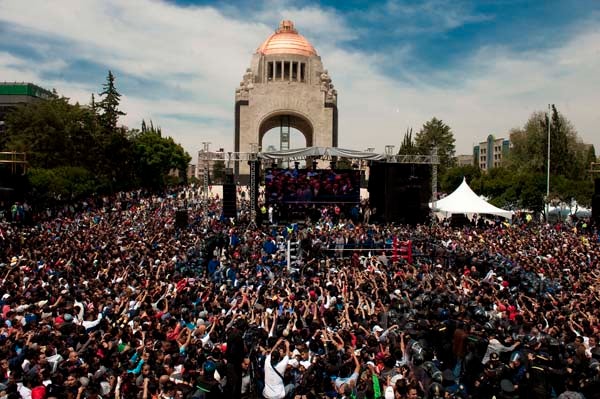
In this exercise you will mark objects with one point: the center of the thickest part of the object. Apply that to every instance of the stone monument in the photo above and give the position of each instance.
(285, 87)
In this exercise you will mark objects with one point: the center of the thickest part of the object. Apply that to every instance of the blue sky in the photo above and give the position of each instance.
(483, 67)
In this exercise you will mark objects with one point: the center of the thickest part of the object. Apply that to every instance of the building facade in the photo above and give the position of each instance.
(13, 94)
(206, 167)
(465, 160)
(490, 153)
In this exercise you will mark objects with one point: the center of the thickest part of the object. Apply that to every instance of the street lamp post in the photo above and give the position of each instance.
(389, 152)
(205, 172)
(548, 169)
(254, 171)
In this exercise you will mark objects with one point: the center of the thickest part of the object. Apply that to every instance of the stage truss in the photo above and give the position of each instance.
(312, 153)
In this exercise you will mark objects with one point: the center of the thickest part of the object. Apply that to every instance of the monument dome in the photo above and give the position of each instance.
(287, 40)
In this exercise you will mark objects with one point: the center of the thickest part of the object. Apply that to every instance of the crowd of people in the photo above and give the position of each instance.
(286, 186)
(108, 298)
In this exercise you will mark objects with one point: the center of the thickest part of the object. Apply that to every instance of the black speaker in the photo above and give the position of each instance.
(596, 208)
(181, 219)
(400, 192)
(229, 178)
(254, 188)
(596, 202)
(229, 201)
(377, 190)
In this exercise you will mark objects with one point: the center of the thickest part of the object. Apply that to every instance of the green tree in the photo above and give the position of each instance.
(218, 173)
(564, 146)
(498, 186)
(569, 161)
(53, 133)
(343, 163)
(454, 176)
(94, 104)
(156, 156)
(566, 190)
(532, 190)
(151, 128)
(118, 169)
(590, 156)
(61, 183)
(530, 146)
(408, 146)
(72, 152)
(436, 133)
(109, 105)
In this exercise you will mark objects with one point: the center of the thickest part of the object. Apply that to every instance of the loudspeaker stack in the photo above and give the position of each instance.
(596, 202)
(229, 197)
(181, 219)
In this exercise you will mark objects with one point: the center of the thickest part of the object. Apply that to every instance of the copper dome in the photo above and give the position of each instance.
(287, 40)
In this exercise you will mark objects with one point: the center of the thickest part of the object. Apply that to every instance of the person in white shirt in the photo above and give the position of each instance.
(494, 345)
(274, 369)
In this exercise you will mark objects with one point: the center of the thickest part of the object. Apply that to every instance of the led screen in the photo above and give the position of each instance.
(312, 186)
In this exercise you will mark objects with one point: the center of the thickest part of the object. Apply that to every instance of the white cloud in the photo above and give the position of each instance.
(492, 92)
(423, 17)
(198, 55)
(14, 69)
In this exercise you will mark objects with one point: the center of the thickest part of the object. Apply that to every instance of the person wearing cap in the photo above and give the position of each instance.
(488, 382)
(207, 385)
(381, 333)
(516, 373)
(542, 377)
(494, 360)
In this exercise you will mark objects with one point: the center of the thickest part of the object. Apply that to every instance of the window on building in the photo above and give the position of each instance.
(270, 71)
(294, 71)
(286, 70)
(302, 71)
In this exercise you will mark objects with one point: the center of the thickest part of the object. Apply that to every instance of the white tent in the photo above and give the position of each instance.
(464, 200)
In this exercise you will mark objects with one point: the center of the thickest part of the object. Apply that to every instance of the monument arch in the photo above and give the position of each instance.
(286, 120)
(286, 86)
